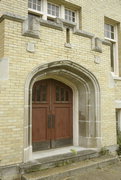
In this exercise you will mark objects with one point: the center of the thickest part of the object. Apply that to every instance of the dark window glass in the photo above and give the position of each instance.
(38, 88)
(62, 94)
(112, 57)
(66, 94)
(44, 93)
(57, 93)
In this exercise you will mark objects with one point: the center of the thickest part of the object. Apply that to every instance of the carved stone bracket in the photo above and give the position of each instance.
(31, 27)
(97, 44)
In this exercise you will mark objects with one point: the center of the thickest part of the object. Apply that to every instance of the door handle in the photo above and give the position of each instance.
(53, 121)
(49, 120)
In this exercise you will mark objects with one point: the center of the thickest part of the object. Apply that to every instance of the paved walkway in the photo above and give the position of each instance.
(111, 172)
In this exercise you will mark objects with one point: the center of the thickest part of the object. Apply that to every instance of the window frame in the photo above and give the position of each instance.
(45, 16)
(50, 15)
(109, 31)
(114, 42)
(31, 10)
(73, 11)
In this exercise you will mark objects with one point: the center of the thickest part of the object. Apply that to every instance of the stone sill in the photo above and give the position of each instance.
(116, 77)
(50, 24)
(83, 33)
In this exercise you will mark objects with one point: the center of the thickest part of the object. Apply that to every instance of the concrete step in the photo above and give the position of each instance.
(66, 171)
(57, 160)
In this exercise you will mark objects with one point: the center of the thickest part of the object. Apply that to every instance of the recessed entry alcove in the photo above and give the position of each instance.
(82, 96)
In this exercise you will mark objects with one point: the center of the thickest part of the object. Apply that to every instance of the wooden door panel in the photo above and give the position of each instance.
(39, 125)
(51, 115)
(63, 122)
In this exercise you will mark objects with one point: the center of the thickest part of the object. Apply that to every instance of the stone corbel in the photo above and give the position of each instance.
(97, 44)
(31, 27)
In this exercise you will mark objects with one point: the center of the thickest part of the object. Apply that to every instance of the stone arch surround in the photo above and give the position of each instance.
(86, 100)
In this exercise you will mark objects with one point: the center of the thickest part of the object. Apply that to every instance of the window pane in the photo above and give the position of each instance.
(53, 9)
(49, 11)
(57, 93)
(112, 29)
(66, 18)
(38, 93)
(62, 94)
(39, 2)
(112, 57)
(39, 8)
(109, 31)
(29, 5)
(67, 98)
(69, 15)
(49, 6)
(44, 93)
(35, 4)
(112, 35)
(57, 11)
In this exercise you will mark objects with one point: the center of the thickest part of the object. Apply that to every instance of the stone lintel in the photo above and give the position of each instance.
(68, 23)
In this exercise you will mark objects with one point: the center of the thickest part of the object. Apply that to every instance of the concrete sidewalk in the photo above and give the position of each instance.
(110, 172)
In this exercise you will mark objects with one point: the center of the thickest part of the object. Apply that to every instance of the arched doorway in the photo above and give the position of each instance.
(86, 102)
(52, 124)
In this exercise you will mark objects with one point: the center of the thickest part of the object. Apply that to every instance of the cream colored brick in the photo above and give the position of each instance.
(50, 47)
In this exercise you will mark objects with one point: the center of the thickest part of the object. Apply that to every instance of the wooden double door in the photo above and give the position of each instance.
(52, 124)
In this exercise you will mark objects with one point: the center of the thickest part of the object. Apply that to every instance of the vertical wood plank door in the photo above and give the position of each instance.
(52, 125)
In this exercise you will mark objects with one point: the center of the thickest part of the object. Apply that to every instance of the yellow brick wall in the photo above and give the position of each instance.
(49, 49)
(18, 7)
(1, 39)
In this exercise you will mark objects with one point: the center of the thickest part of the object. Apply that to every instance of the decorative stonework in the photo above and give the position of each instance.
(31, 27)
(97, 59)
(86, 128)
(4, 69)
(97, 45)
(12, 17)
(30, 47)
(68, 45)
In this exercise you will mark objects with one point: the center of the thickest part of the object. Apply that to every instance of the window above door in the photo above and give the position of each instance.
(111, 34)
(51, 10)
(70, 15)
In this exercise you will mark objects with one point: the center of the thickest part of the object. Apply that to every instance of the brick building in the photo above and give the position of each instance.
(60, 76)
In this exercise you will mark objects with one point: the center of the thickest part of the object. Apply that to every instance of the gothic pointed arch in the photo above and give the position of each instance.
(86, 102)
